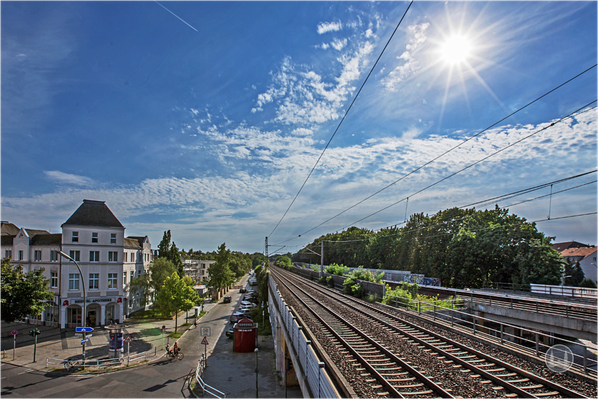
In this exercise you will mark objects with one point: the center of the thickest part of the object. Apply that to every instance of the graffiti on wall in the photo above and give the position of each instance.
(419, 279)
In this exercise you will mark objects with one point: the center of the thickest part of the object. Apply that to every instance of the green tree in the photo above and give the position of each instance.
(283, 261)
(588, 283)
(573, 274)
(151, 283)
(220, 274)
(164, 246)
(22, 293)
(176, 294)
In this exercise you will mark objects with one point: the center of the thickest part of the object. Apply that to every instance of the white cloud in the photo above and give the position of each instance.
(66, 178)
(325, 27)
(409, 66)
(338, 44)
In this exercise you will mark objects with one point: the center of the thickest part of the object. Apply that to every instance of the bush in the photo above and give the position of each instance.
(587, 283)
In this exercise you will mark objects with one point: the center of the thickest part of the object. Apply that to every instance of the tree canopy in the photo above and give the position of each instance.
(220, 273)
(22, 294)
(151, 283)
(176, 294)
(462, 247)
(169, 250)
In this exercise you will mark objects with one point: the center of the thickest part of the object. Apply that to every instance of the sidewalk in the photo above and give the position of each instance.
(53, 343)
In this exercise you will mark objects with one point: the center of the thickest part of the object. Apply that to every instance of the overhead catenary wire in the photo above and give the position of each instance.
(477, 162)
(448, 151)
(341, 121)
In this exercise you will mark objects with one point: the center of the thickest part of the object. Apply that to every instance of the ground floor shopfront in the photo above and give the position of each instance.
(99, 311)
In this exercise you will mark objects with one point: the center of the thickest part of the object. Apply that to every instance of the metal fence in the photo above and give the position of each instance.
(205, 388)
(318, 380)
(583, 358)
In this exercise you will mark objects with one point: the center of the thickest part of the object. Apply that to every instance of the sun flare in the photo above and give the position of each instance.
(456, 49)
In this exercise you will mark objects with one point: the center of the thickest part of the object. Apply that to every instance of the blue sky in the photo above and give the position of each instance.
(205, 118)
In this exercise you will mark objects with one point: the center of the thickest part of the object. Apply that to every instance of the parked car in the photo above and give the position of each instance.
(226, 299)
(242, 290)
(235, 317)
(230, 332)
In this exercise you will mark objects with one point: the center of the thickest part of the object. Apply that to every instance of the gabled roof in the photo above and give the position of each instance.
(140, 239)
(9, 229)
(132, 243)
(561, 246)
(578, 252)
(47, 239)
(93, 213)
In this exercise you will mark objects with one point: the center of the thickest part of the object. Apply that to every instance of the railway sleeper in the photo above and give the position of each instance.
(416, 393)
(506, 375)
(518, 381)
(544, 394)
(400, 379)
(409, 386)
(531, 386)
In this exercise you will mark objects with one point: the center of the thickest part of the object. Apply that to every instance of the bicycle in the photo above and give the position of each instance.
(172, 356)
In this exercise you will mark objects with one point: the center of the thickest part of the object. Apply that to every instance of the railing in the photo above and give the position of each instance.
(98, 363)
(205, 387)
(529, 289)
(317, 377)
(581, 353)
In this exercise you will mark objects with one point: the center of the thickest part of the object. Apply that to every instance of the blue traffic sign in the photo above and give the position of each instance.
(83, 341)
(14, 332)
(83, 329)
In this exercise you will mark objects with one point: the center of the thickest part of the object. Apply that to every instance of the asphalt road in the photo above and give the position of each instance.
(162, 378)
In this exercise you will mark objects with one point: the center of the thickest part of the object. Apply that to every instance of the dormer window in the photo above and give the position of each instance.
(75, 236)
(94, 238)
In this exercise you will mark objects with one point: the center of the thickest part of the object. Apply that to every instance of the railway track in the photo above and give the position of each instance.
(465, 365)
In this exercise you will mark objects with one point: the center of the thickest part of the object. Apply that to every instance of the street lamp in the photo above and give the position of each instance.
(84, 317)
(256, 372)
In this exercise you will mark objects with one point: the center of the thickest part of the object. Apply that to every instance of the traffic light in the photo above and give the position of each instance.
(34, 333)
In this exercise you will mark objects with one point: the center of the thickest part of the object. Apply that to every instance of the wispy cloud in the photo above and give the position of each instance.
(325, 27)
(66, 178)
(409, 65)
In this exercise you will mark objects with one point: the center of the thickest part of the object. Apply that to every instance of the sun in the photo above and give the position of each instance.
(456, 49)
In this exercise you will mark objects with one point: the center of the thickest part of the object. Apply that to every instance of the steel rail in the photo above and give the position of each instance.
(549, 384)
(387, 385)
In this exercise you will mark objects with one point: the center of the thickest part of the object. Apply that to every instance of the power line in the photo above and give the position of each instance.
(446, 152)
(341, 122)
(475, 163)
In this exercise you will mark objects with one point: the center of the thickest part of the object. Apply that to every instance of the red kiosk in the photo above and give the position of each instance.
(245, 336)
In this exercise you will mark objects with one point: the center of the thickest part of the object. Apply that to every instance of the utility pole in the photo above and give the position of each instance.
(267, 258)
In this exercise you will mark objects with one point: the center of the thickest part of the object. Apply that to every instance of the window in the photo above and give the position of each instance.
(94, 256)
(94, 237)
(76, 255)
(112, 256)
(20, 254)
(126, 256)
(124, 278)
(113, 238)
(53, 279)
(75, 236)
(54, 256)
(132, 274)
(73, 281)
(8, 253)
(37, 255)
(112, 281)
(94, 281)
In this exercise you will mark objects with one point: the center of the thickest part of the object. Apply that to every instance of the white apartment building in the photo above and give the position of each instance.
(95, 238)
(197, 269)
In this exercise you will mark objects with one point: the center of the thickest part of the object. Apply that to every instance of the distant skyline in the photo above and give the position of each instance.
(205, 118)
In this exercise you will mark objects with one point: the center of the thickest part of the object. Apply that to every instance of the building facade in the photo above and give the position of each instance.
(197, 269)
(96, 240)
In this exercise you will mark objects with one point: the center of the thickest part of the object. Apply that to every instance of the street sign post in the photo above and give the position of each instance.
(206, 331)
(14, 342)
(84, 341)
(204, 342)
(128, 340)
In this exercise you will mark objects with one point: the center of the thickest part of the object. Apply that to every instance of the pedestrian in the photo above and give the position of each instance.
(195, 322)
